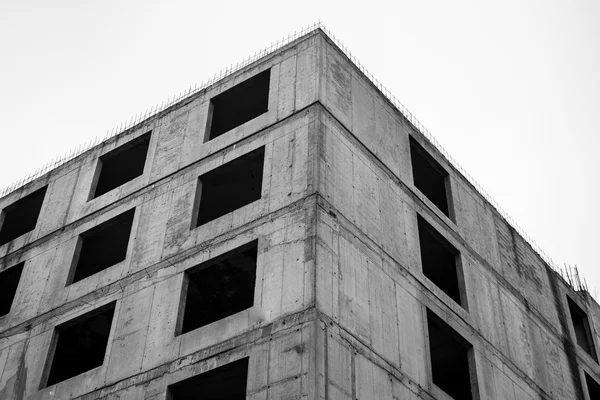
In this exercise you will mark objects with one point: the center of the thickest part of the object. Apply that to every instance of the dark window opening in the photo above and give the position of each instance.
(230, 186)
(219, 287)
(121, 165)
(240, 104)
(80, 344)
(102, 246)
(227, 382)
(9, 281)
(439, 260)
(593, 387)
(581, 326)
(21, 216)
(449, 359)
(429, 176)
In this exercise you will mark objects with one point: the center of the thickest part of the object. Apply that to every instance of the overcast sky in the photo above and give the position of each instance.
(510, 88)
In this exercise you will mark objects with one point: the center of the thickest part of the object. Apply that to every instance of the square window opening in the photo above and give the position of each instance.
(102, 247)
(593, 387)
(121, 165)
(439, 260)
(429, 177)
(238, 105)
(218, 288)
(449, 354)
(581, 326)
(9, 282)
(79, 345)
(229, 187)
(21, 216)
(227, 382)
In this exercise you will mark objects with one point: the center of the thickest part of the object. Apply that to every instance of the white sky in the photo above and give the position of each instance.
(510, 88)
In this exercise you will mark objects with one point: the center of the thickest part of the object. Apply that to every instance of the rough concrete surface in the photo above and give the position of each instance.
(340, 299)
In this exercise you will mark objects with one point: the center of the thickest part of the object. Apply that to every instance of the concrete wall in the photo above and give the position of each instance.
(340, 299)
(143, 354)
(369, 279)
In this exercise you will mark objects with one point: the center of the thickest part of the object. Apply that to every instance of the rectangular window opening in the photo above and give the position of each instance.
(230, 186)
(21, 216)
(581, 326)
(429, 176)
(79, 345)
(439, 260)
(449, 354)
(593, 387)
(102, 246)
(121, 165)
(240, 104)
(227, 382)
(219, 288)
(9, 282)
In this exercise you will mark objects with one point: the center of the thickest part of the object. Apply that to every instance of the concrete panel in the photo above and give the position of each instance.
(35, 353)
(383, 316)
(504, 386)
(393, 223)
(148, 239)
(476, 224)
(160, 346)
(327, 281)
(179, 219)
(339, 368)
(354, 294)
(31, 288)
(287, 87)
(282, 277)
(485, 305)
(57, 203)
(195, 131)
(306, 75)
(363, 113)
(366, 198)
(54, 287)
(13, 378)
(518, 334)
(525, 271)
(411, 336)
(338, 87)
(132, 324)
(371, 382)
(169, 135)
(335, 181)
(288, 178)
(559, 384)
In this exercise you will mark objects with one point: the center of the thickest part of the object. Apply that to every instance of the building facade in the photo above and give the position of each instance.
(284, 233)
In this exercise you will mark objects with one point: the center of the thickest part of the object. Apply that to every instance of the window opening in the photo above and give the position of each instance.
(429, 176)
(593, 387)
(240, 104)
(219, 287)
(439, 260)
(227, 382)
(9, 282)
(230, 186)
(449, 356)
(121, 165)
(80, 344)
(102, 246)
(581, 326)
(21, 216)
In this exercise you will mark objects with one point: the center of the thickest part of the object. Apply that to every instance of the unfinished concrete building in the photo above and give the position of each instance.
(284, 233)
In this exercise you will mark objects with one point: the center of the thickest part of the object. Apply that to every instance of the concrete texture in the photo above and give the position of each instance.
(340, 299)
